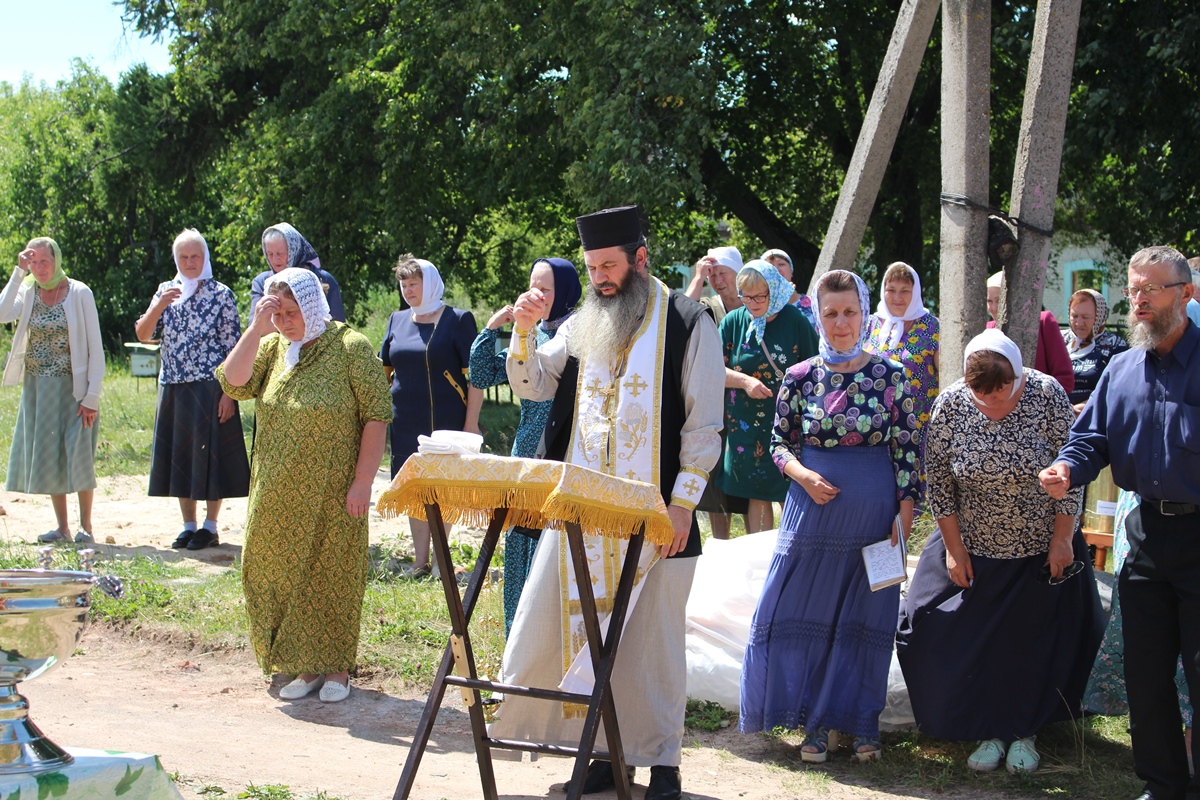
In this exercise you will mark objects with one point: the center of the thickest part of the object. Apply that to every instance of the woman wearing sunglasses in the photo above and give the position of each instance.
(1002, 620)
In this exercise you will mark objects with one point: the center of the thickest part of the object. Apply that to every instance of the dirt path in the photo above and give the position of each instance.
(213, 719)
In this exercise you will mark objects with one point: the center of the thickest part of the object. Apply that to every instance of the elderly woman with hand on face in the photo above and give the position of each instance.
(761, 340)
(58, 357)
(821, 641)
(323, 409)
(426, 354)
(1002, 620)
(558, 282)
(719, 267)
(198, 451)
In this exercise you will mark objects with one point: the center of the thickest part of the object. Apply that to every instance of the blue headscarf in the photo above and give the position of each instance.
(567, 291)
(780, 289)
(825, 348)
(300, 252)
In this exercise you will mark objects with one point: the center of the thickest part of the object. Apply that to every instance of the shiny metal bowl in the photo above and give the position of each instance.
(43, 614)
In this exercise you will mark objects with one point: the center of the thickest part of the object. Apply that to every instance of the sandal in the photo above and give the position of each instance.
(823, 741)
(874, 750)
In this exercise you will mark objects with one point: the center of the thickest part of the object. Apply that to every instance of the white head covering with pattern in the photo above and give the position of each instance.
(893, 326)
(994, 340)
(190, 285)
(310, 297)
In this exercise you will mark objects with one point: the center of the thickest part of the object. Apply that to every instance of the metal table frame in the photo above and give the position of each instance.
(460, 655)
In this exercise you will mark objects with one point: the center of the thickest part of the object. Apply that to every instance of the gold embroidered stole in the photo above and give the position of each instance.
(616, 431)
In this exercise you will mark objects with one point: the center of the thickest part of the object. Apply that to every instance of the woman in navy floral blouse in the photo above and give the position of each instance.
(198, 451)
(821, 641)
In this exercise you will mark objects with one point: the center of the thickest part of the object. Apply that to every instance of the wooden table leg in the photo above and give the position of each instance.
(461, 609)
(603, 653)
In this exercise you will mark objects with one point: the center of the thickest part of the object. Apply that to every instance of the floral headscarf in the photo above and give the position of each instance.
(190, 285)
(893, 326)
(310, 297)
(780, 291)
(432, 289)
(300, 252)
(567, 291)
(825, 347)
(1079, 346)
(58, 276)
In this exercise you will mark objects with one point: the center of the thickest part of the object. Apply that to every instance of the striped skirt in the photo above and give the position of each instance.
(52, 453)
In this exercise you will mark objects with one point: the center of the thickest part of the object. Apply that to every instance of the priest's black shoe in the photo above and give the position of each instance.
(182, 540)
(599, 777)
(665, 784)
(203, 538)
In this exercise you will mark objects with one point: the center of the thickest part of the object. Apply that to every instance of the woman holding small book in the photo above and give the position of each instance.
(1002, 620)
(821, 641)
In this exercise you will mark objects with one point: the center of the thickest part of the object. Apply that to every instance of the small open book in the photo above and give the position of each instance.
(886, 565)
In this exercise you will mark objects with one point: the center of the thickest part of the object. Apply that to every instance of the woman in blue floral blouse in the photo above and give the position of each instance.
(198, 451)
(821, 641)
(558, 281)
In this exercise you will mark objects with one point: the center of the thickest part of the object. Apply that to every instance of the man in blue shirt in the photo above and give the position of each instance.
(1144, 420)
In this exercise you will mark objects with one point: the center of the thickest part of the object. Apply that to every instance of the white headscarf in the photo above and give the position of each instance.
(992, 339)
(190, 285)
(727, 257)
(432, 289)
(310, 297)
(893, 326)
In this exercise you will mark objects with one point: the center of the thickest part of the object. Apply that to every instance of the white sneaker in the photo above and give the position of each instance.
(1022, 756)
(987, 756)
(334, 692)
(300, 688)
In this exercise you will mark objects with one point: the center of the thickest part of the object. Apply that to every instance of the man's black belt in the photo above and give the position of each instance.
(1169, 509)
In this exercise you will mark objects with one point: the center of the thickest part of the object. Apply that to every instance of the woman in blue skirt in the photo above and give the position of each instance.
(821, 641)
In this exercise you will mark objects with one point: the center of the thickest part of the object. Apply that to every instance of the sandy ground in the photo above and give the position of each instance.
(127, 522)
(214, 720)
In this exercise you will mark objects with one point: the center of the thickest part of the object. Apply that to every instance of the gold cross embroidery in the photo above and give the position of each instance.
(691, 486)
(631, 475)
(635, 384)
(594, 388)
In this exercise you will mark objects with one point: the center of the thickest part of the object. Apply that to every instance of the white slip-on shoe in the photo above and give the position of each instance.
(300, 688)
(334, 692)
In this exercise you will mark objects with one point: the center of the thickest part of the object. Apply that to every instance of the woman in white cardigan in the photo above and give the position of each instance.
(58, 357)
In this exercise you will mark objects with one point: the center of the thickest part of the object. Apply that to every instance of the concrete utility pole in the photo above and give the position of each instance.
(1035, 178)
(966, 156)
(873, 150)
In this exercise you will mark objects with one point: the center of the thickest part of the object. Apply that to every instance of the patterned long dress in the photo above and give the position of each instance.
(486, 370)
(748, 469)
(304, 567)
(821, 641)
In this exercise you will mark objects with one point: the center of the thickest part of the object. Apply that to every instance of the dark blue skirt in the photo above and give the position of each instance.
(1006, 656)
(821, 641)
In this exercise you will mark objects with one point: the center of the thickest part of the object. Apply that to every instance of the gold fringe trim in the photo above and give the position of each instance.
(534, 506)
(574, 710)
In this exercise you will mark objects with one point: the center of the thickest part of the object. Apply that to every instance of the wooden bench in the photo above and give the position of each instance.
(1103, 542)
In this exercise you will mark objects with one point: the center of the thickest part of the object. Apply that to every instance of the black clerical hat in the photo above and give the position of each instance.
(611, 227)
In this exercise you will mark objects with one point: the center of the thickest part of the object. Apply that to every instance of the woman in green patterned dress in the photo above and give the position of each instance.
(761, 340)
(323, 407)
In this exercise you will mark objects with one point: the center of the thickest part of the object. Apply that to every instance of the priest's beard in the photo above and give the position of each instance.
(1148, 334)
(603, 327)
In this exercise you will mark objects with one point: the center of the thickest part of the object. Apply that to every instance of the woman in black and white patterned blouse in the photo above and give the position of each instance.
(1002, 620)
